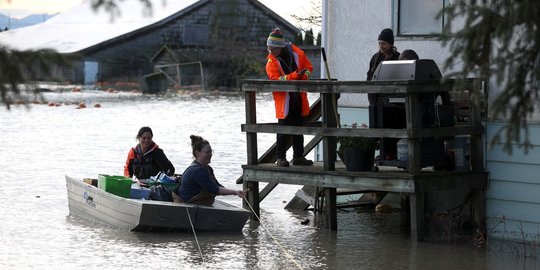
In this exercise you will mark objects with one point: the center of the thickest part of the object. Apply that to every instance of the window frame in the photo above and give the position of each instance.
(396, 22)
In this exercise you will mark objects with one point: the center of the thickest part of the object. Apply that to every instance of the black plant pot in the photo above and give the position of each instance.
(359, 160)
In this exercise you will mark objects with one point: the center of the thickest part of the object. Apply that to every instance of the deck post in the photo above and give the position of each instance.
(479, 210)
(413, 118)
(331, 208)
(251, 188)
(477, 166)
(418, 220)
(477, 147)
(329, 119)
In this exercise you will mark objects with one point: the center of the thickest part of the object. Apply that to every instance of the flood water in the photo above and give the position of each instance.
(42, 144)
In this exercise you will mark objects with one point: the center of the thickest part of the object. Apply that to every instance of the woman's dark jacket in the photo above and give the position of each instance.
(144, 165)
(199, 185)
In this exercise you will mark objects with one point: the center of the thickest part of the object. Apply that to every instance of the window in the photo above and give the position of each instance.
(418, 17)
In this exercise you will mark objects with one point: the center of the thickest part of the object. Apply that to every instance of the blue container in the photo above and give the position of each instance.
(163, 178)
(140, 193)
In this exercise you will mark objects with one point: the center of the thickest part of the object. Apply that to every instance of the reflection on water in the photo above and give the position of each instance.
(44, 143)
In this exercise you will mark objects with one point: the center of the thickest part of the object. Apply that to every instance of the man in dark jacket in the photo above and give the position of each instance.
(387, 51)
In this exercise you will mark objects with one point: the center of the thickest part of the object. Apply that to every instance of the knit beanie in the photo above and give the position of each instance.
(275, 39)
(387, 35)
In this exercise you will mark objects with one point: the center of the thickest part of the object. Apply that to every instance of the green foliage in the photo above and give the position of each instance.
(20, 67)
(499, 41)
(363, 143)
(298, 39)
(308, 39)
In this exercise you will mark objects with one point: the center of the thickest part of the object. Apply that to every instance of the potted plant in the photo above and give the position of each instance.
(357, 153)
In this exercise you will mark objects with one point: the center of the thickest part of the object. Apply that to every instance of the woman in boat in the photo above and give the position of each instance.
(146, 158)
(199, 184)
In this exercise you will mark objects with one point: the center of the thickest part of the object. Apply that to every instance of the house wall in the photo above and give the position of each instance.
(351, 37)
(350, 40)
(513, 195)
(350, 31)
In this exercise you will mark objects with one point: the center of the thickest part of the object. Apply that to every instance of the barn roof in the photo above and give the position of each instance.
(82, 27)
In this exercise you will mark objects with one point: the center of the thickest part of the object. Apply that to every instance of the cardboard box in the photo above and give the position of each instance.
(91, 181)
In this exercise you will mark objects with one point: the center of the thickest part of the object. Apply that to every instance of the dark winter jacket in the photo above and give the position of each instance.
(377, 58)
(144, 165)
(199, 185)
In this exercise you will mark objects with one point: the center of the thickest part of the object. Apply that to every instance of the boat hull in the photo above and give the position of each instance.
(92, 203)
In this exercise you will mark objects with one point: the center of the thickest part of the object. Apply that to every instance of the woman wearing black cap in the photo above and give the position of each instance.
(387, 51)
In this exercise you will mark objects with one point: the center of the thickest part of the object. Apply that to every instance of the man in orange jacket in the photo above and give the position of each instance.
(288, 62)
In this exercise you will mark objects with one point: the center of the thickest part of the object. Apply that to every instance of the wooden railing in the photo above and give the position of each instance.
(329, 130)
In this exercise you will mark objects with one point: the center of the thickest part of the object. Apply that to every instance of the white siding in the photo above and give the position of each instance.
(513, 196)
(351, 37)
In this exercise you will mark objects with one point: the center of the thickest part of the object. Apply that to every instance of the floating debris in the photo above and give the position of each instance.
(383, 208)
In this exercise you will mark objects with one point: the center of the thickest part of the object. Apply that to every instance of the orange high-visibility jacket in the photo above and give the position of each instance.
(275, 72)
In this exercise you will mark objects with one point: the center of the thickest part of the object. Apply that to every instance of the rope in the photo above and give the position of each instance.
(194, 234)
(289, 256)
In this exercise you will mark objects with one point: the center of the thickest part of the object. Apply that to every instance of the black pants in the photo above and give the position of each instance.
(294, 118)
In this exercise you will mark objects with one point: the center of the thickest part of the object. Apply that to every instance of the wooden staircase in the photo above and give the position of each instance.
(308, 195)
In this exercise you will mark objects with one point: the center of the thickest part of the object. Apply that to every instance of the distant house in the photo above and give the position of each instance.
(349, 34)
(219, 34)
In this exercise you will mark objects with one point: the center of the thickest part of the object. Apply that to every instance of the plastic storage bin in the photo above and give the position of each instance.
(115, 184)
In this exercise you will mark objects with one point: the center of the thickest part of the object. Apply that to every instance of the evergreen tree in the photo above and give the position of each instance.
(499, 41)
(319, 39)
(298, 39)
(308, 39)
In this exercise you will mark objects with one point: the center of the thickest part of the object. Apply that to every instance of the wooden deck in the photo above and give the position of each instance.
(329, 175)
(389, 179)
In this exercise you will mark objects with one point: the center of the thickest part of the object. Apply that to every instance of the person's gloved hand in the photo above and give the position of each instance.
(302, 75)
(298, 75)
(293, 76)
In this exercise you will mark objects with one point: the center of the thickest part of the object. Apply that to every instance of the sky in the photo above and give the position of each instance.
(22, 8)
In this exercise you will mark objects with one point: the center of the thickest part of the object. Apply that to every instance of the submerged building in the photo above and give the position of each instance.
(120, 45)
